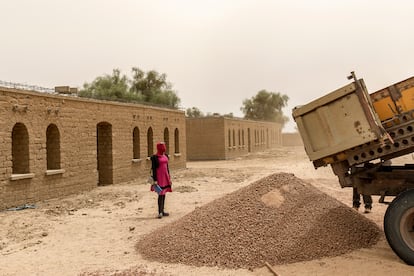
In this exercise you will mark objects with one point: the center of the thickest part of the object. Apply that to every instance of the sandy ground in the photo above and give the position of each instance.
(96, 232)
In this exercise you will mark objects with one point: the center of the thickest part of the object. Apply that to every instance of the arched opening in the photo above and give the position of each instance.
(176, 141)
(136, 149)
(53, 147)
(267, 137)
(234, 138)
(167, 139)
(249, 141)
(150, 142)
(20, 149)
(255, 137)
(229, 135)
(104, 153)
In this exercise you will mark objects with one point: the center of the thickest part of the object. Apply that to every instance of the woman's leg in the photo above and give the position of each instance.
(163, 204)
(161, 199)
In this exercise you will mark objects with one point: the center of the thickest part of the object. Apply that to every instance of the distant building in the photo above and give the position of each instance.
(54, 145)
(290, 139)
(219, 138)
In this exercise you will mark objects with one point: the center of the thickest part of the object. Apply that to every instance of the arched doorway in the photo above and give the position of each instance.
(104, 153)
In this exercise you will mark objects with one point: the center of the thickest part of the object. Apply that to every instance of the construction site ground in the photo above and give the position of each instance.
(98, 232)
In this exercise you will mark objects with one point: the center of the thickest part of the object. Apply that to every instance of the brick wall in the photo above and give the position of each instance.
(205, 139)
(55, 145)
(291, 139)
(213, 138)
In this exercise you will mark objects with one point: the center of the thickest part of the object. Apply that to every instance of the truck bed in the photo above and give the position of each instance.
(351, 125)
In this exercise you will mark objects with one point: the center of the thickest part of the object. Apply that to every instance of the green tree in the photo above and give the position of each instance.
(194, 112)
(144, 87)
(107, 87)
(153, 87)
(265, 106)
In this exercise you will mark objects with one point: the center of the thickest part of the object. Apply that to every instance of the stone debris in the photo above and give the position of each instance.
(140, 270)
(245, 229)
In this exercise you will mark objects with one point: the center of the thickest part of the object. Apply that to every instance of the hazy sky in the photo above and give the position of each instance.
(215, 53)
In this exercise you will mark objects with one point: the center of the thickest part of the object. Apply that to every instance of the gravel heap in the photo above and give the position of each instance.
(279, 219)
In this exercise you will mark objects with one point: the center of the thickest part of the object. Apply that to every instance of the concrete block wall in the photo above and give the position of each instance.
(36, 126)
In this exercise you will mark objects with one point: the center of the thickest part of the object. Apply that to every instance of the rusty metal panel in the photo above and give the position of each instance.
(338, 121)
(394, 99)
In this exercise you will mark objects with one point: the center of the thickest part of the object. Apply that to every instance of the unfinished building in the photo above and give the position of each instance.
(220, 138)
(54, 145)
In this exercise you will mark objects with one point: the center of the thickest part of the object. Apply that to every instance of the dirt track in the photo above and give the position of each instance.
(96, 233)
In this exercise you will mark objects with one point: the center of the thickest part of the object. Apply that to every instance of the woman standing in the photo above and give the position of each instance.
(161, 176)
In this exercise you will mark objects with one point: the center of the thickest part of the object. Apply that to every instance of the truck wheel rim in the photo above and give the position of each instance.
(407, 227)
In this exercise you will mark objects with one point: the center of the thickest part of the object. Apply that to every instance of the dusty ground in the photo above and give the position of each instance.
(96, 233)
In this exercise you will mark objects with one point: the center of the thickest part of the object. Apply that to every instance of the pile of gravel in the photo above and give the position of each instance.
(279, 219)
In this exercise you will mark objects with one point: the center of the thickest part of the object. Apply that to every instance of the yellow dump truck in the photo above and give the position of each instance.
(358, 134)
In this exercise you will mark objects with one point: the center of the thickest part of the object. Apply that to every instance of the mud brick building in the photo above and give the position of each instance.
(212, 138)
(54, 145)
(290, 139)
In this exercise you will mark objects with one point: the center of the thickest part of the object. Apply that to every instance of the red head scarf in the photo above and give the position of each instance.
(161, 148)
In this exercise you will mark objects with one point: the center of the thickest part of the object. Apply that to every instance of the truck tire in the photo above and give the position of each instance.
(399, 226)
